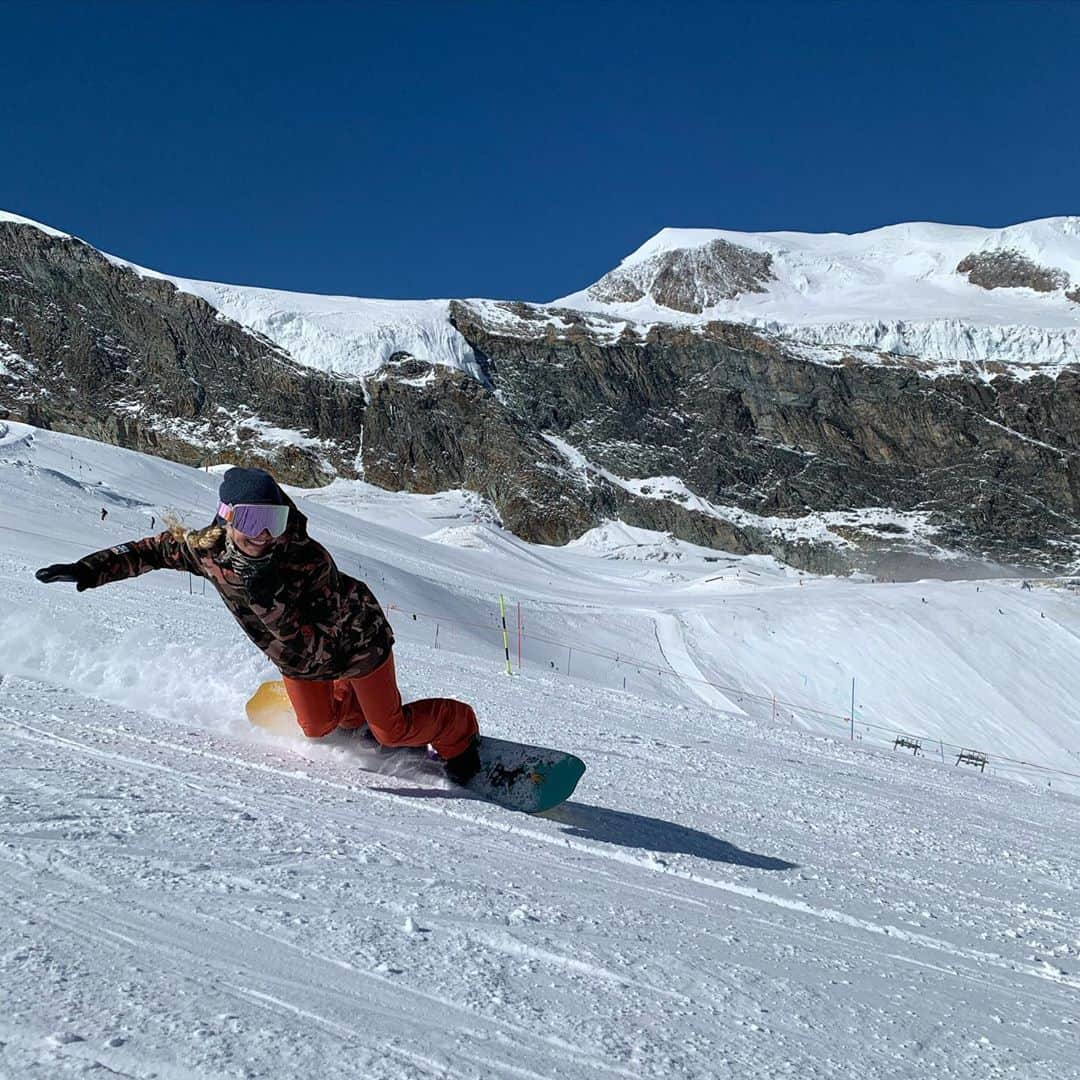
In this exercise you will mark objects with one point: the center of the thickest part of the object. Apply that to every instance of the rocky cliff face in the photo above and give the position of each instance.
(717, 433)
(95, 349)
(994, 466)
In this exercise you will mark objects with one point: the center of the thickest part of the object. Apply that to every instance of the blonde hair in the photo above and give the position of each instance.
(197, 539)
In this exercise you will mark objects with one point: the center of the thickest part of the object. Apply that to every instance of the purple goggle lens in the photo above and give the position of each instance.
(251, 519)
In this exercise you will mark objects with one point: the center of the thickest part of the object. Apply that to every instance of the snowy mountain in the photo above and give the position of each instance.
(942, 294)
(737, 889)
(945, 294)
(891, 402)
(343, 335)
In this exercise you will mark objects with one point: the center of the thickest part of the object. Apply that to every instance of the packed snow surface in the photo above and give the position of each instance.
(730, 893)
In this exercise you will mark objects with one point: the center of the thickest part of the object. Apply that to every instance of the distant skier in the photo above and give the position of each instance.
(104, 513)
(323, 630)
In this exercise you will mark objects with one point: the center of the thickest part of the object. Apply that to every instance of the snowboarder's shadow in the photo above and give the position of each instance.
(626, 829)
(655, 835)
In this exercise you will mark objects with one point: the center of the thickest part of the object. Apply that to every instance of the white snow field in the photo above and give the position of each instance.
(896, 289)
(727, 894)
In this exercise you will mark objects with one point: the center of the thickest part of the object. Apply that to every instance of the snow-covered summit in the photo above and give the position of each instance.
(942, 293)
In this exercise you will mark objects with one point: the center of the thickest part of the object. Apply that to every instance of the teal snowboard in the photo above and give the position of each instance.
(526, 778)
(531, 779)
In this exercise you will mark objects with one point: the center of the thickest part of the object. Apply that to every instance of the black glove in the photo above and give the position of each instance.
(64, 572)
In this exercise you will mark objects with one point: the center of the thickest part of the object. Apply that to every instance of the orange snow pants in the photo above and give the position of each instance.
(323, 705)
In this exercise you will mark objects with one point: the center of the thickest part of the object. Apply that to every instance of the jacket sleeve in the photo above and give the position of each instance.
(162, 552)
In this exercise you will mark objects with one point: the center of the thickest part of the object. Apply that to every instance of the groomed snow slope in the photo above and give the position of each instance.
(723, 897)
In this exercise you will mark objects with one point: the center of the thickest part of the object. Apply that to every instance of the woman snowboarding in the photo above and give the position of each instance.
(323, 630)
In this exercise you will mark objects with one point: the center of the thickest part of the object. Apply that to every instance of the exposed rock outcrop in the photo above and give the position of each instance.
(109, 354)
(688, 279)
(1010, 270)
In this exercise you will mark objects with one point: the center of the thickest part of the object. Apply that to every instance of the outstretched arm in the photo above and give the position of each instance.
(164, 552)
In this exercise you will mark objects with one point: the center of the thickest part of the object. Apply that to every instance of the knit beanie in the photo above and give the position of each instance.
(252, 487)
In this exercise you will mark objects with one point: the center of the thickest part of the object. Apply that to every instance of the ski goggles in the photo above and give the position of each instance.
(252, 519)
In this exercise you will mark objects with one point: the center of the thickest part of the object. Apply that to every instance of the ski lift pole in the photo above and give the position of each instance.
(506, 636)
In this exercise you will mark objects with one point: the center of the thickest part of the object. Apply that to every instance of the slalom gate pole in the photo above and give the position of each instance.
(852, 708)
(506, 636)
(519, 634)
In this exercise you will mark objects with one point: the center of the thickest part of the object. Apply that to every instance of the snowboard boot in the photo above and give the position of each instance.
(466, 765)
(362, 736)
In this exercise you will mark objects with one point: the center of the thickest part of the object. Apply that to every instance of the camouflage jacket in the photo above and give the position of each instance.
(311, 620)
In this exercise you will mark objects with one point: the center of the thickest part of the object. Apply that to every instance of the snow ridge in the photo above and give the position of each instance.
(342, 334)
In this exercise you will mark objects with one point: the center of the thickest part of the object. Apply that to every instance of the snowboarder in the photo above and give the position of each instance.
(322, 629)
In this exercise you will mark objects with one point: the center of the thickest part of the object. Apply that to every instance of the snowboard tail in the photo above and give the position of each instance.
(517, 776)
(270, 708)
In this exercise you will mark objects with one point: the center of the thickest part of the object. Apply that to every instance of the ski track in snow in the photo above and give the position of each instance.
(224, 874)
(723, 897)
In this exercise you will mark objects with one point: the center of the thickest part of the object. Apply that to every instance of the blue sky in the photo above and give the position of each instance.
(520, 150)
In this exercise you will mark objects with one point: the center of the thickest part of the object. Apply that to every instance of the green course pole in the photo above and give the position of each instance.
(506, 636)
